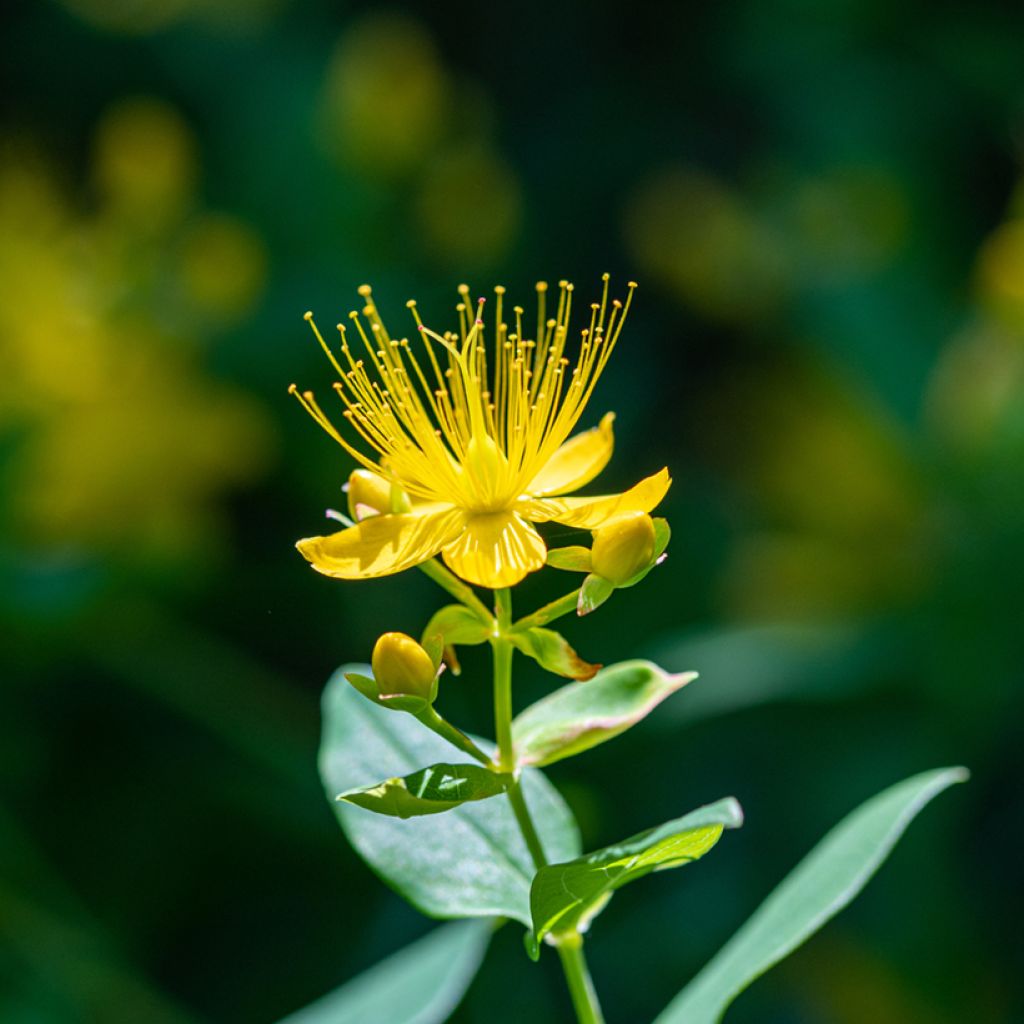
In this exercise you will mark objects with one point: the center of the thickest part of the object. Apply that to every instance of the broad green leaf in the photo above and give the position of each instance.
(572, 559)
(567, 896)
(582, 715)
(428, 791)
(457, 624)
(824, 882)
(552, 651)
(470, 862)
(420, 984)
(365, 685)
(593, 593)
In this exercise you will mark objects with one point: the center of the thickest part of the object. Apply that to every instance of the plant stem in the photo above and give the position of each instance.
(435, 723)
(570, 945)
(459, 590)
(503, 682)
(555, 610)
(581, 988)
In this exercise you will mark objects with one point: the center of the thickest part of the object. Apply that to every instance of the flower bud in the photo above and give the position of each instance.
(368, 494)
(623, 547)
(401, 666)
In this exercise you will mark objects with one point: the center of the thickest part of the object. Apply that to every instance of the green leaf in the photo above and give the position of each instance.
(420, 984)
(428, 791)
(565, 897)
(366, 685)
(824, 882)
(571, 559)
(472, 862)
(552, 651)
(457, 624)
(578, 717)
(594, 592)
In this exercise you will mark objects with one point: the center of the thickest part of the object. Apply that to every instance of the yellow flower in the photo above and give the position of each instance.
(481, 451)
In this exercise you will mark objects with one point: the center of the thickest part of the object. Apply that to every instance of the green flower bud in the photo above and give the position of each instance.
(401, 666)
(623, 547)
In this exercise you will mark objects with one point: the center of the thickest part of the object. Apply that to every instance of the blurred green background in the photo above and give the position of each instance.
(824, 205)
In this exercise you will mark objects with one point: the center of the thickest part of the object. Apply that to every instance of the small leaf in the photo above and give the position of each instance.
(457, 624)
(470, 862)
(420, 984)
(451, 625)
(824, 882)
(594, 592)
(567, 896)
(572, 559)
(552, 651)
(576, 718)
(428, 791)
(367, 686)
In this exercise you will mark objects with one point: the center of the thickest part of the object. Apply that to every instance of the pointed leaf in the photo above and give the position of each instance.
(572, 559)
(470, 862)
(428, 791)
(420, 984)
(565, 897)
(552, 651)
(824, 882)
(594, 592)
(578, 717)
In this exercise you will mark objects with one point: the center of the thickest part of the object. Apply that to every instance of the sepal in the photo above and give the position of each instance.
(393, 702)
(574, 558)
(594, 592)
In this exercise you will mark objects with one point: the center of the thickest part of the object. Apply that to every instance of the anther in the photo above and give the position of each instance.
(308, 315)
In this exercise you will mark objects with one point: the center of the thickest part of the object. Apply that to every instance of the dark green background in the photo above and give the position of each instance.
(823, 205)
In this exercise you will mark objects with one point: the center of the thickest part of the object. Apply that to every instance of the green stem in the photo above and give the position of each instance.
(581, 988)
(459, 590)
(433, 721)
(503, 682)
(555, 610)
(570, 945)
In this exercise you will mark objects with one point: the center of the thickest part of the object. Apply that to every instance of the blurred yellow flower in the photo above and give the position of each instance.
(102, 379)
(482, 455)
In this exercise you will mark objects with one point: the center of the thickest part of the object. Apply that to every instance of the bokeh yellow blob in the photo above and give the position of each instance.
(689, 231)
(223, 265)
(470, 206)
(145, 159)
(386, 98)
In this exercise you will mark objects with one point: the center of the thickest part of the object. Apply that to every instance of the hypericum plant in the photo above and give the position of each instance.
(464, 445)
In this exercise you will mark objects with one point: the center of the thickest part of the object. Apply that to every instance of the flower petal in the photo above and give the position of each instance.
(496, 550)
(577, 461)
(382, 545)
(591, 513)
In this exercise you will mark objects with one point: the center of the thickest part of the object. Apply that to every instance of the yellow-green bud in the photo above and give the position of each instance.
(623, 548)
(368, 494)
(401, 666)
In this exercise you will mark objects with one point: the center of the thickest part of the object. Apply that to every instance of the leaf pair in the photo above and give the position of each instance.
(457, 625)
(567, 722)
